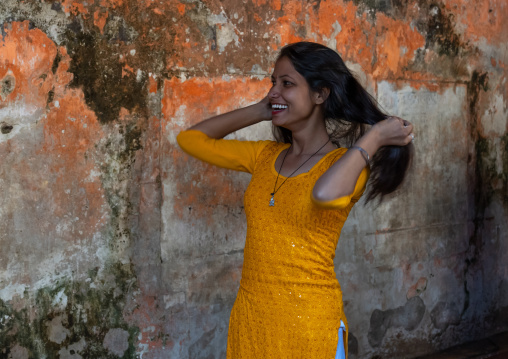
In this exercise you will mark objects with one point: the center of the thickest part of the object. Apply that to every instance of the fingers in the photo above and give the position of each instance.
(410, 138)
(407, 129)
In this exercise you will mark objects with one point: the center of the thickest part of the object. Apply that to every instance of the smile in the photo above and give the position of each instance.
(276, 106)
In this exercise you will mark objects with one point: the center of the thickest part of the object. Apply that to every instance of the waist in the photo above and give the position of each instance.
(260, 282)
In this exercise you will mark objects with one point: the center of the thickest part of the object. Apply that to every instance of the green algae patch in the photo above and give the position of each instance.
(72, 316)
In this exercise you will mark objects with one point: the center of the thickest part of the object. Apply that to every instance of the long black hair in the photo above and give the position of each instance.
(347, 111)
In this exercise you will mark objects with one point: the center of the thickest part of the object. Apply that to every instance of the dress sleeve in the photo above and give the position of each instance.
(343, 202)
(232, 154)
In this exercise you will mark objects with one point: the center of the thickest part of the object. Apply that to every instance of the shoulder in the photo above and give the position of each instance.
(272, 147)
(334, 156)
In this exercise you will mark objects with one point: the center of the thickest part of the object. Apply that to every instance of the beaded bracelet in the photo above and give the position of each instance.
(364, 153)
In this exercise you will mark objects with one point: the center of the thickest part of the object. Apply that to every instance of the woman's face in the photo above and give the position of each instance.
(293, 102)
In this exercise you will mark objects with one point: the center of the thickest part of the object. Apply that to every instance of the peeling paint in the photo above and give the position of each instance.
(116, 244)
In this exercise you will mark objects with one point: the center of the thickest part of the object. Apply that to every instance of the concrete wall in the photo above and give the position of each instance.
(116, 244)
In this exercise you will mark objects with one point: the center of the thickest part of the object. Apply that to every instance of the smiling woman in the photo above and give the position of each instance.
(303, 187)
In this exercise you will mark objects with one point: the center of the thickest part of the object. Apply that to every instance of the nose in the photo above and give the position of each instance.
(274, 92)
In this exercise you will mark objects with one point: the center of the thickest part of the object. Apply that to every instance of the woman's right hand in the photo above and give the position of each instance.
(265, 109)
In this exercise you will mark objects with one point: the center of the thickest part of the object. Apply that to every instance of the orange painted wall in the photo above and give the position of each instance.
(114, 242)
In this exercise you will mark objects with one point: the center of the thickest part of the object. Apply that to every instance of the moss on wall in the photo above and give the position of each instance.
(86, 310)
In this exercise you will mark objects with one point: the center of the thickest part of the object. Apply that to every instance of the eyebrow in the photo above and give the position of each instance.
(283, 76)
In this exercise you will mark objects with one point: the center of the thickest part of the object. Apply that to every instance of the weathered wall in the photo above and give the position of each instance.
(116, 244)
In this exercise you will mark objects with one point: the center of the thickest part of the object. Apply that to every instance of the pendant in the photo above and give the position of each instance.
(272, 201)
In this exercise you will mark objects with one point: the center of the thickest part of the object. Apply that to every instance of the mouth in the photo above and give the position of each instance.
(278, 108)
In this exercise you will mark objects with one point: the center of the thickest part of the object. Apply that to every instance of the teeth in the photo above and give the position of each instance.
(278, 106)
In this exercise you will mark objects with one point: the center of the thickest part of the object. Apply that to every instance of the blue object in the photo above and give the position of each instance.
(341, 352)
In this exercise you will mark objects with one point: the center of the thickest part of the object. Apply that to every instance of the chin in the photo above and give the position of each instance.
(279, 122)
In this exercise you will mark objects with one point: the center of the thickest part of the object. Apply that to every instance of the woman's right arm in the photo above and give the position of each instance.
(222, 125)
(204, 140)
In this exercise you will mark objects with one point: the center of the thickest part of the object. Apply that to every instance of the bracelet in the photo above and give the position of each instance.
(364, 153)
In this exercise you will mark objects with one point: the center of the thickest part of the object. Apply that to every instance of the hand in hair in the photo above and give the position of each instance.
(393, 131)
(340, 179)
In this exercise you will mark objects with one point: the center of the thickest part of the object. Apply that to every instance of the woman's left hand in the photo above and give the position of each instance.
(393, 131)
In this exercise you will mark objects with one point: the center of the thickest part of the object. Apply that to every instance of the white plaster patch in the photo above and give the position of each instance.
(171, 300)
(225, 35)
(257, 72)
(331, 42)
(226, 31)
(60, 300)
(495, 116)
(19, 352)
(103, 253)
(258, 132)
(178, 120)
(139, 75)
(497, 156)
(71, 351)
(143, 348)
(51, 268)
(232, 70)
(214, 19)
(56, 331)
(149, 329)
(365, 79)
(93, 176)
(7, 292)
(19, 117)
(116, 341)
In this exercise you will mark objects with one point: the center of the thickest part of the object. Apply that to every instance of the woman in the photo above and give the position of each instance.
(289, 304)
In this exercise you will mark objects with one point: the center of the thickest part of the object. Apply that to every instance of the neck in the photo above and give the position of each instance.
(308, 140)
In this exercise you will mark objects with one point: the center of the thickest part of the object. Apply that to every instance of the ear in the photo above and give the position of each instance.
(321, 96)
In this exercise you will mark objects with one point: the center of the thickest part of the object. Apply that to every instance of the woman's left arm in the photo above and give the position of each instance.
(341, 178)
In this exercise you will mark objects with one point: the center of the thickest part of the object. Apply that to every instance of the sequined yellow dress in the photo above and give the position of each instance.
(289, 304)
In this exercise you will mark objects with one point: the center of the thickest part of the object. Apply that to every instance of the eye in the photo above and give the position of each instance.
(287, 83)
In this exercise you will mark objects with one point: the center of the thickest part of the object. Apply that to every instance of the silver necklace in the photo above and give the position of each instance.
(275, 189)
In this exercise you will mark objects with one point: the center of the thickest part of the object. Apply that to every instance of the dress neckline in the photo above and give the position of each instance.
(287, 145)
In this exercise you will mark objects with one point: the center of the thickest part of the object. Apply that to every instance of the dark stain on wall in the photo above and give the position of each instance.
(7, 85)
(440, 34)
(56, 62)
(437, 27)
(51, 96)
(504, 175)
(98, 72)
(484, 168)
(6, 128)
(482, 186)
(96, 64)
(407, 316)
(445, 314)
(352, 344)
(376, 5)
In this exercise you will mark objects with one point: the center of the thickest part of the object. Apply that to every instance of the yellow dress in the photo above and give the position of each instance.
(289, 304)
